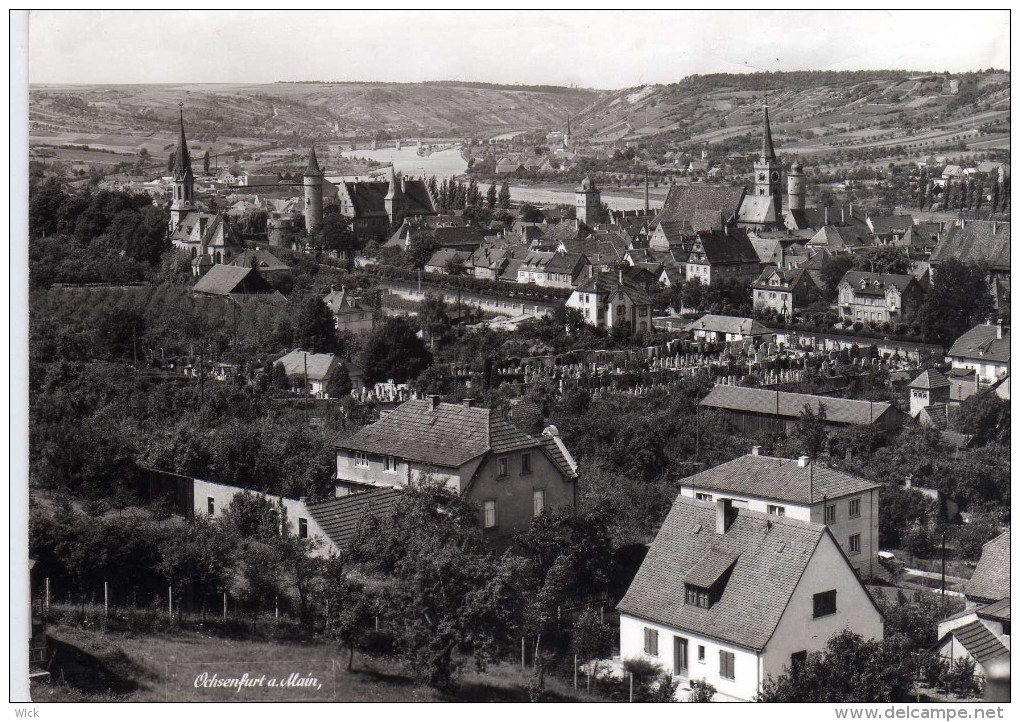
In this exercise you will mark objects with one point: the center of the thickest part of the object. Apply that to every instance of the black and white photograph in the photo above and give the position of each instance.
(511, 356)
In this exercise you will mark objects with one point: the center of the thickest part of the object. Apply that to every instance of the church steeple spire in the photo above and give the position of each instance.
(768, 151)
(182, 157)
(183, 180)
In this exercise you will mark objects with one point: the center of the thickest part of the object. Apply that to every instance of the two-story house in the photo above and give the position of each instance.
(783, 290)
(879, 297)
(349, 312)
(984, 350)
(559, 270)
(732, 596)
(607, 299)
(512, 476)
(800, 489)
(720, 255)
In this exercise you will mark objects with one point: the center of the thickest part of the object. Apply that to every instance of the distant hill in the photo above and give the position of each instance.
(810, 111)
(307, 109)
(813, 112)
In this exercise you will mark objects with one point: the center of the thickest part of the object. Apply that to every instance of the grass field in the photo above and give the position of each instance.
(91, 665)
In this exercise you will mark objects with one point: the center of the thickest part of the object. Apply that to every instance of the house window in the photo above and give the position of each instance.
(726, 665)
(855, 508)
(696, 596)
(361, 459)
(211, 506)
(490, 514)
(830, 513)
(701, 653)
(652, 641)
(525, 463)
(702, 497)
(538, 501)
(390, 464)
(302, 526)
(824, 603)
(855, 543)
(501, 467)
(797, 660)
(775, 510)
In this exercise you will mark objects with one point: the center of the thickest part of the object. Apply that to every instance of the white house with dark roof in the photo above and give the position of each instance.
(983, 630)
(732, 596)
(878, 297)
(349, 313)
(717, 328)
(800, 489)
(984, 350)
(608, 299)
(512, 476)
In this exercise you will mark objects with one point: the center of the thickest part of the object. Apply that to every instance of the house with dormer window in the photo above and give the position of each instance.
(731, 595)
(783, 290)
(879, 297)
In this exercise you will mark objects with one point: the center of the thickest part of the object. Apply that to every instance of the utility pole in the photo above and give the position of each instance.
(306, 388)
(943, 562)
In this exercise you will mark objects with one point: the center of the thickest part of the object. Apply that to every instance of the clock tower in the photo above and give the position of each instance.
(767, 175)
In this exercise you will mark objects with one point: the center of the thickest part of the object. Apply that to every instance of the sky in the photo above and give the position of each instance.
(596, 49)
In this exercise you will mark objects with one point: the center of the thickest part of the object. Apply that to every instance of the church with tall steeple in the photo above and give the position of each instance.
(762, 208)
(206, 237)
(183, 182)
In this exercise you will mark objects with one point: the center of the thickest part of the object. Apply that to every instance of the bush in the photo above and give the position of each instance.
(701, 691)
(651, 683)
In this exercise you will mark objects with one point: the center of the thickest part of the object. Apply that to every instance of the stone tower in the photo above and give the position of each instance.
(313, 194)
(931, 387)
(183, 180)
(766, 168)
(588, 202)
(795, 192)
(394, 200)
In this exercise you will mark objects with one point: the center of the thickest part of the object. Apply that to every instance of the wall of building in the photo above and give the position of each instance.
(866, 562)
(799, 631)
(986, 371)
(746, 672)
(223, 494)
(514, 493)
(793, 511)
(404, 471)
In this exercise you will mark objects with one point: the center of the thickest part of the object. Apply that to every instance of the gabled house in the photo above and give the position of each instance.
(269, 266)
(984, 350)
(841, 239)
(800, 489)
(890, 229)
(512, 476)
(558, 270)
(375, 207)
(986, 242)
(717, 256)
(783, 290)
(235, 283)
(982, 632)
(349, 313)
(445, 259)
(733, 596)
(308, 372)
(879, 297)
(608, 299)
(721, 329)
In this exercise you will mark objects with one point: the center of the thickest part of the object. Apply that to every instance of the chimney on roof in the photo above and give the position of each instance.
(468, 402)
(756, 450)
(724, 515)
(909, 481)
(434, 401)
(803, 460)
(994, 227)
(621, 275)
(998, 331)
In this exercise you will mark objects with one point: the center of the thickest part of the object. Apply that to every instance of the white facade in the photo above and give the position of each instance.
(797, 631)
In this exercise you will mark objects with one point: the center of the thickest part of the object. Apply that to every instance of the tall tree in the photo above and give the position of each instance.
(504, 196)
(490, 196)
(206, 160)
(394, 351)
(958, 299)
